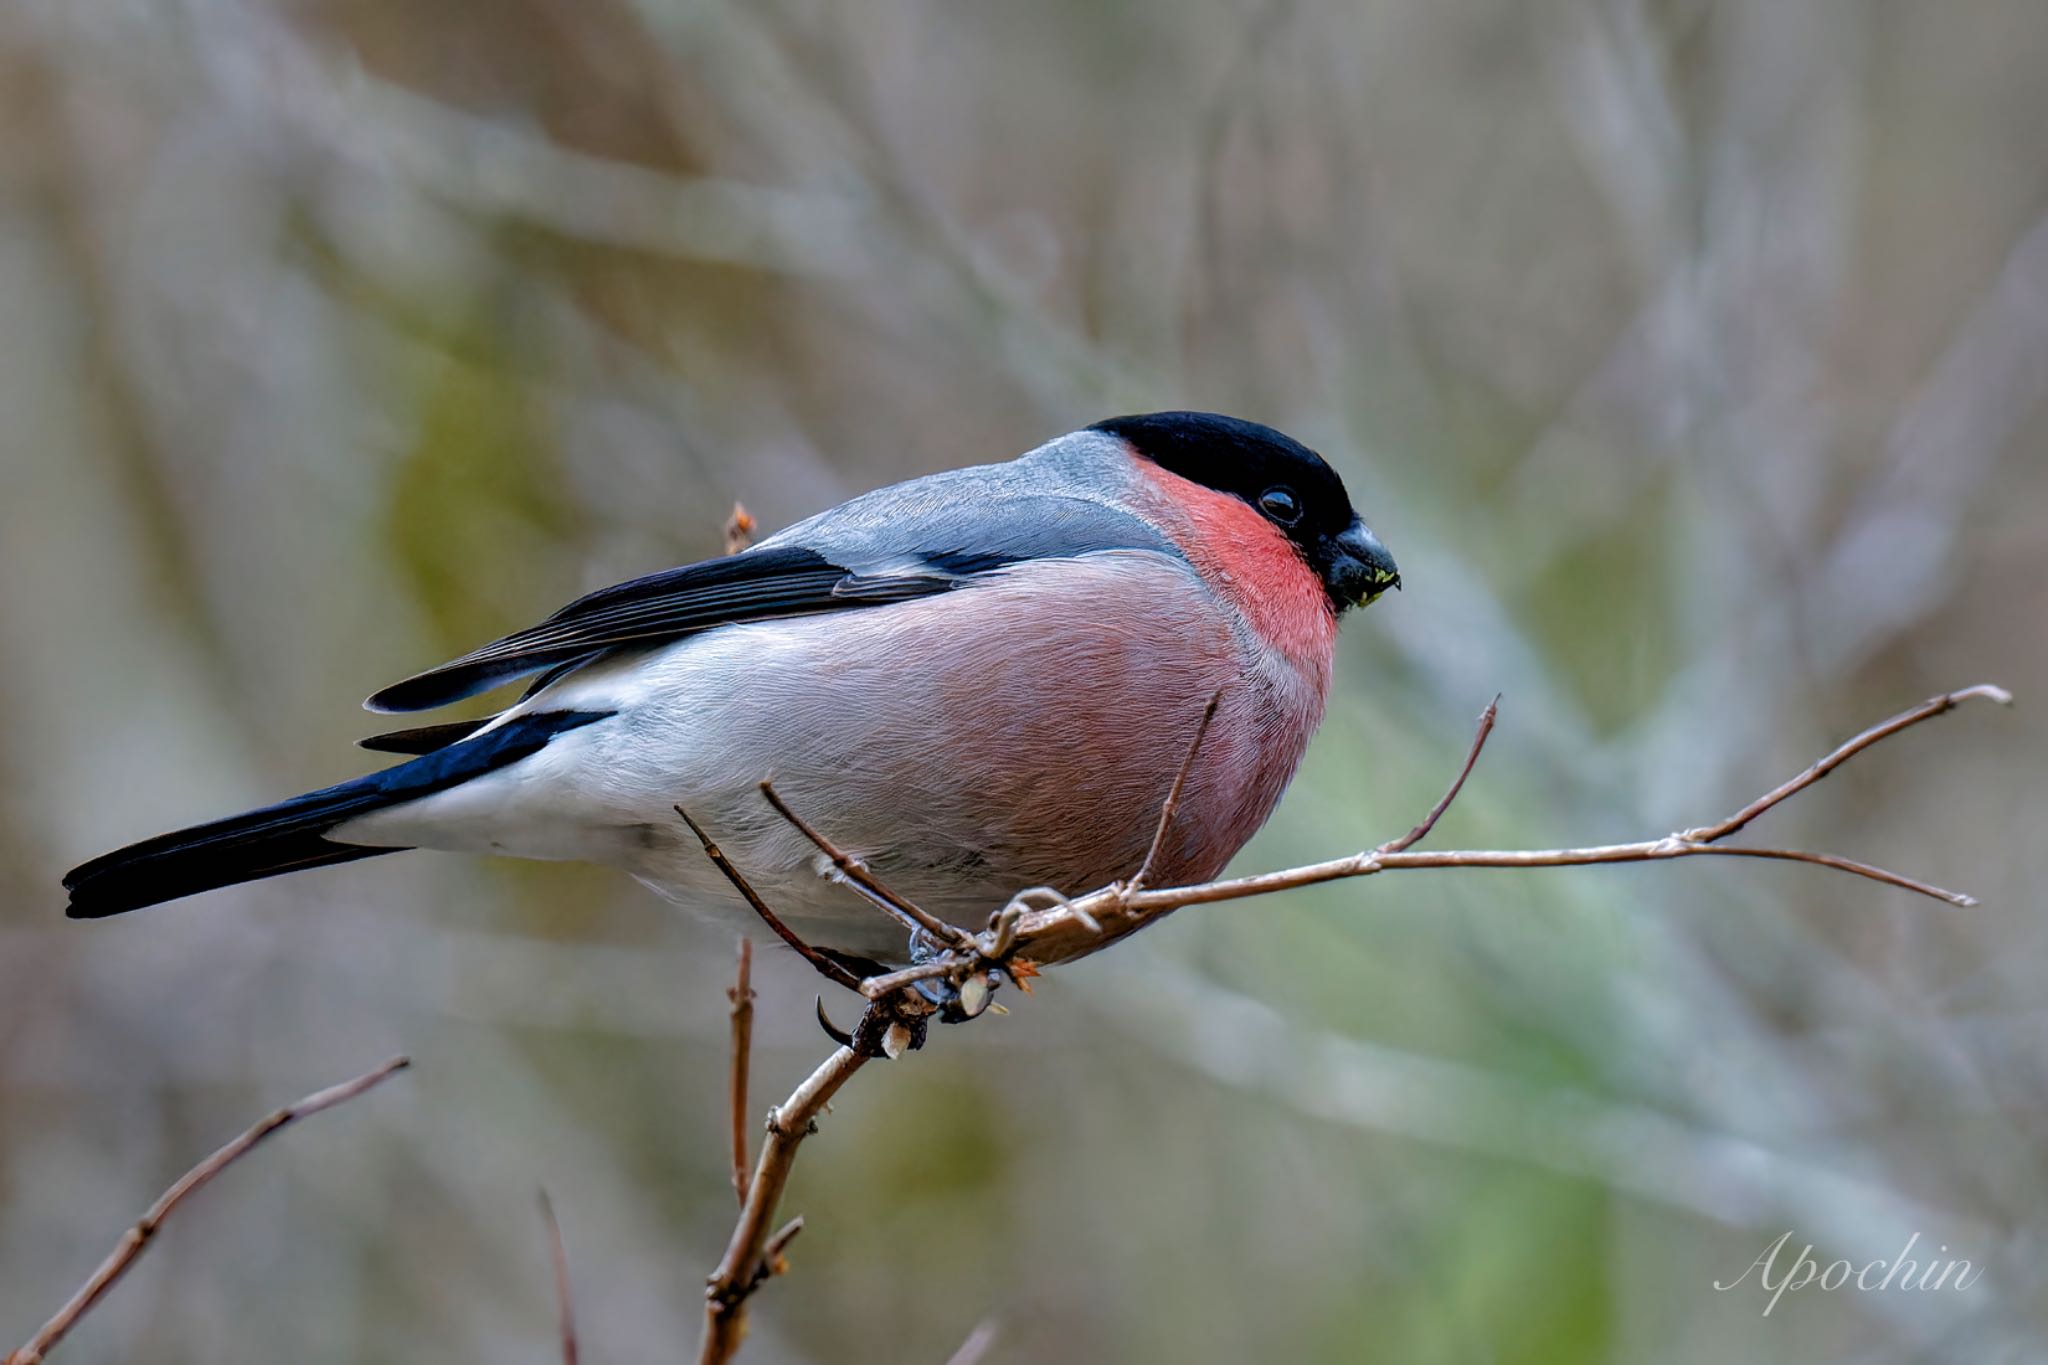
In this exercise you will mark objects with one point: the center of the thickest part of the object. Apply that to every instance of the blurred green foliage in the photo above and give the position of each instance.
(477, 488)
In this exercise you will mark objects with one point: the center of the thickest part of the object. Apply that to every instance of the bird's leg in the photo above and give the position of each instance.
(955, 983)
(958, 980)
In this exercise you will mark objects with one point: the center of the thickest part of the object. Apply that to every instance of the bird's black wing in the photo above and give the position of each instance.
(760, 585)
(775, 581)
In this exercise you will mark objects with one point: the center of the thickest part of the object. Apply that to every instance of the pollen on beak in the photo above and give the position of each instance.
(1360, 567)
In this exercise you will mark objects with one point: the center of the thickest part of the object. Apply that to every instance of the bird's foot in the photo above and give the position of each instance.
(954, 999)
(888, 1027)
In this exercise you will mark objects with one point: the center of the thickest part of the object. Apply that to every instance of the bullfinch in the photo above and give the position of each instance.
(980, 681)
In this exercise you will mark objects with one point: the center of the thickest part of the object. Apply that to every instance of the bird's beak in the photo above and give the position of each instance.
(1360, 568)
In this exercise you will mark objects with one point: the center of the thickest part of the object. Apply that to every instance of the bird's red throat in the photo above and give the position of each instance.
(1252, 563)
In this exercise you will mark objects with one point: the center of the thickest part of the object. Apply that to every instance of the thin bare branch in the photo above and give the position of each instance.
(747, 1262)
(1024, 935)
(1841, 864)
(825, 966)
(1152, 903)
(773, 1260)
(138, 1237)
(880, 987)
(1172, 807)
(1436, 813)
(565, 1300)
(742, 996)
(863, 878)
(1056, 934)
(886, 902)
(1927, 710)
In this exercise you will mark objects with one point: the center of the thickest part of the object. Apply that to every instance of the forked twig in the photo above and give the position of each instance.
(863, 877)
(752, 1256)
(825, 966)
(1926, 710)
(137, 1238)
(565, 1299)
(1072, 929)
(1056, 935)
(884, 902)
(774, 1256)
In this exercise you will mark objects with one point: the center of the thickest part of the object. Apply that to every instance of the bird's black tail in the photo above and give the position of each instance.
(290, 836)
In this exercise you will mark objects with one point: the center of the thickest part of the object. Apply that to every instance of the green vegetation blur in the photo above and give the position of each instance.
(1688, 355)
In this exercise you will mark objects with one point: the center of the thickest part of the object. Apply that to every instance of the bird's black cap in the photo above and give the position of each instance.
(1288, 483)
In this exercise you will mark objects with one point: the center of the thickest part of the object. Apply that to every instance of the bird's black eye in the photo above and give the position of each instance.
(1281, 505)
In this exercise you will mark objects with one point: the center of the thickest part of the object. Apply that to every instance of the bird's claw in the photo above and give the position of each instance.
(832, 1030)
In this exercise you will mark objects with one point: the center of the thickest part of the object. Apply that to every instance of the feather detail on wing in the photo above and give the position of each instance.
(781, 578)
(758, 585)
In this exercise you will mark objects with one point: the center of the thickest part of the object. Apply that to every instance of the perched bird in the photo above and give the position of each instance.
(978, 682)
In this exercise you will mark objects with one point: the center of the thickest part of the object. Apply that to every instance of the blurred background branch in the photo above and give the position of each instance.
(565, 1294)
(137, 1239)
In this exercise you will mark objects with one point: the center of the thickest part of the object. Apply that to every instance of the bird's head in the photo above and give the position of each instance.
(1282, 480)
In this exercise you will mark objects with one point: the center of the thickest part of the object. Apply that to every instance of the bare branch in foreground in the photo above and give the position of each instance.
(565, 1300)
(772, 1254)
(863, 878)
(1926, 710)
(1020, 938)
(742, 997)
(138, 1237)
(1057, 934)
(751, 1258)
(831, 970)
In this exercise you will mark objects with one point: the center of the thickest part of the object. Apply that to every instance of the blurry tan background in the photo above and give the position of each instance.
(1690, 357)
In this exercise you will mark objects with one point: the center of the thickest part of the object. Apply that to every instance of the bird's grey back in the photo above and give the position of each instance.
(1059, 499)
